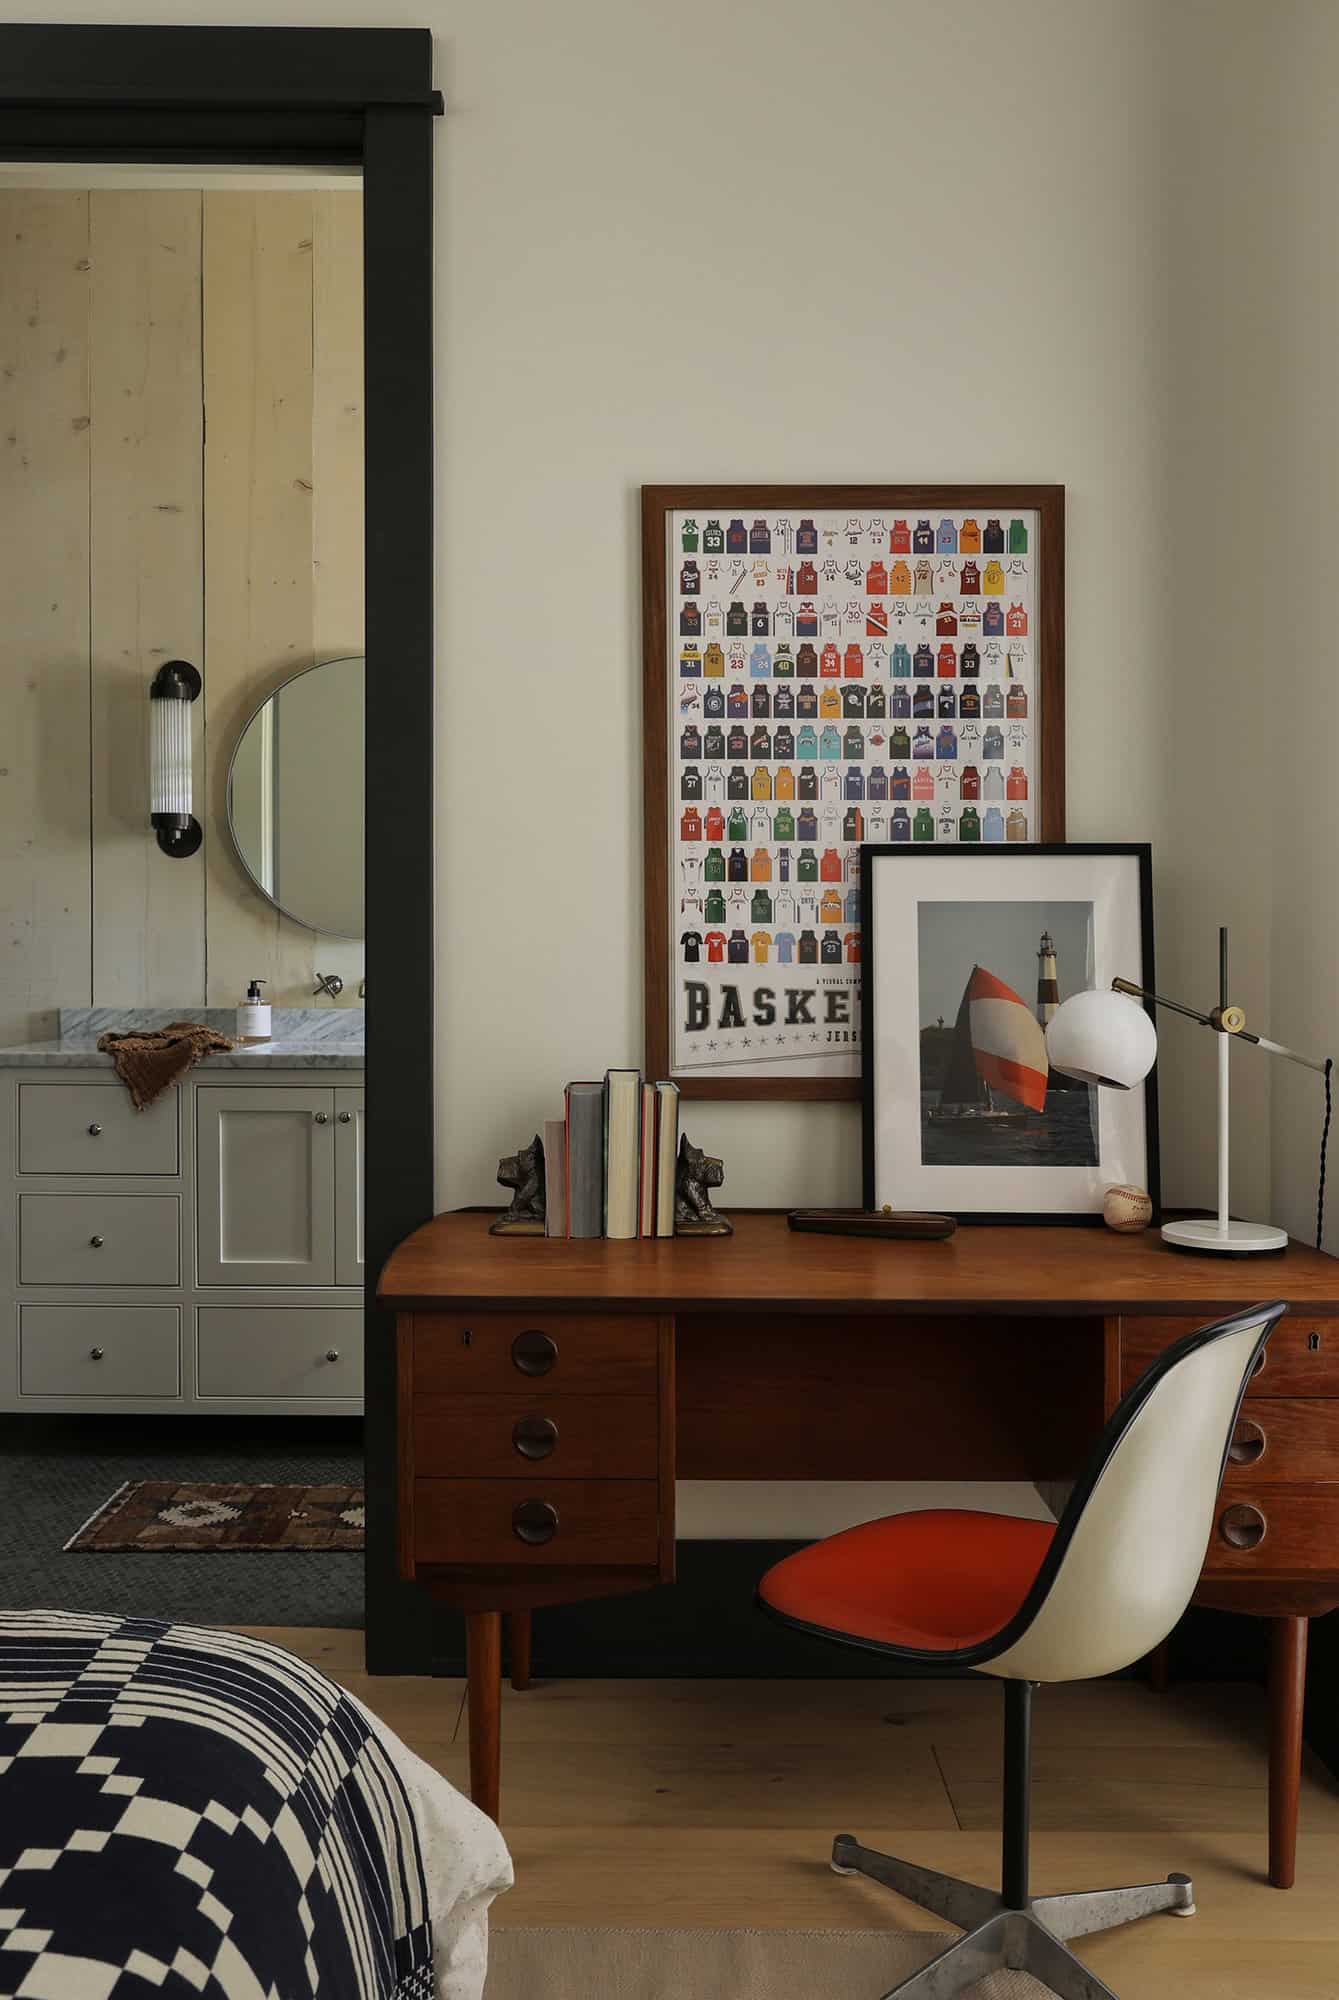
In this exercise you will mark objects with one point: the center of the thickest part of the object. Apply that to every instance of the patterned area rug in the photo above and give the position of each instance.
(159, 1515)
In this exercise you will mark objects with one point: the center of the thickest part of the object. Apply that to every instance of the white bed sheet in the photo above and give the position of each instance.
(465, 1861)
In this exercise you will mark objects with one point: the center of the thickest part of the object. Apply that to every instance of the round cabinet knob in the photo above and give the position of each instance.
(533, 1352)
(534, 1522)
(332, 1354)
(1242, 1527)
(534, 1437)
(321, 1118)
(346, 1117)
(95, 1131)
(96, 1353)
(1248, 1442)
(97, 1242)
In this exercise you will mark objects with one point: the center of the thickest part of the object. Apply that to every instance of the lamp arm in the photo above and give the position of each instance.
(1208, 1021)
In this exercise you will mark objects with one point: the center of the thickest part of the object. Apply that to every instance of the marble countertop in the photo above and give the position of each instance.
(304, 1038)
(286, 1053)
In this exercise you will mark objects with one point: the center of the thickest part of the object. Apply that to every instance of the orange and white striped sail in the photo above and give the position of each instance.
(1008, 1045)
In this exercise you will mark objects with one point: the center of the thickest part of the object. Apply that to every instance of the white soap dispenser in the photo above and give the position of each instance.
(253, 1016)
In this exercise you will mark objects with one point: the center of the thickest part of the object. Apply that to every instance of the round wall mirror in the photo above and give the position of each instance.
(295, 798)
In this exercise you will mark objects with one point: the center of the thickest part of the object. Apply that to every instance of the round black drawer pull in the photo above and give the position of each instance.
(533, 1352)
(534, 1522)
(1242, 1527)
(95, 1131)
(534, 1437)
(97, 1242)
(1248, 1442)
(96, 1353)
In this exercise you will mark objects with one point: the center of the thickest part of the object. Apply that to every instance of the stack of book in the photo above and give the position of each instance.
(609, 1161)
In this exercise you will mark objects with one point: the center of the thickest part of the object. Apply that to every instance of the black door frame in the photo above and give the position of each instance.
(268, 96)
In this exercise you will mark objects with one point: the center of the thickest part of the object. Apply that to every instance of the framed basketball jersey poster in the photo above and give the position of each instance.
(825, 667)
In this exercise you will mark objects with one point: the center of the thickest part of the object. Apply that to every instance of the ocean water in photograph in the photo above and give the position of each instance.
(1063, 1134)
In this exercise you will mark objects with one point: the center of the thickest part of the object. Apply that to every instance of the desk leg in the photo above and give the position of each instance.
(1287, 1689)
(518, 1645)
(483, 1653)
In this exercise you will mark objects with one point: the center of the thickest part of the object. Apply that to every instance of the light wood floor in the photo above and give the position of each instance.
(715, 1802)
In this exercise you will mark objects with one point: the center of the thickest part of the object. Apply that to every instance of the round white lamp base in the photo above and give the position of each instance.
(1239, 1239)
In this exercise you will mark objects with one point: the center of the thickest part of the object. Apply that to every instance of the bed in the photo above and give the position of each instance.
(184, 1809)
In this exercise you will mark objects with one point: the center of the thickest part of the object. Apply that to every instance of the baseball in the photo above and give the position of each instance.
(1126, 1209)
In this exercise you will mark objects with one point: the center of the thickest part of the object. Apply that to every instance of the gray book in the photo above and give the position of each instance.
(555, 1176)
(585, 1159)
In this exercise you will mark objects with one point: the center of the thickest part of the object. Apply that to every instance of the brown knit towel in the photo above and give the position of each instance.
(150, 1062)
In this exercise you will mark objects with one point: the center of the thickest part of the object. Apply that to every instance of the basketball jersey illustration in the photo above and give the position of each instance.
(806, 865)
(716, 907)
(737, 743)
(760, 908)
(830, 744)
(970, 784)
(969, 580)
(806, 621)
(783, 619)
(923, 826)
(994, 701)
(830, 867)
(1016, 825)
(878, 782)
(783, 824)
(690, 824)
(853, 701)
(1017, 537)
(851, 900)
(992, 540)
(690, 581)
(806, 662)
(876, 622)
(690, 783)
(970, 659)
(760, 865)
(783, 743)
(713, 868)
(830, 662)
(715, 942)
(831, 951)
(760, 702)
(760, 663)
(714, 661)
(692, 947)
(969, 702)
(923, 665)
(808, 781)
(876, 702)
(853, 824)
(785, 947)
(737, 784)
(992, 623)
(808, 948)
(713, 540)
(946, 743)
(760, 539)
(899, 539)
(993, 580)
(853, 784)
(948, 704)
(992, 746)
(1015, 623)
(901, 826)
(853, 662)
(714, 824)
(946, 622)
(736, 539)
(690, 743)
(947, 539)
(806, 539)
(969, 538)
(948, 660)
(713, 699)
(760, 743)
(901, 782)
(806, 579)
(900, 663)
(923, 538)
(690, 663)
(690, 536)
(923, 744)
(923, 702)
(899, 742)
(992, 785)
(993, 824)
(1016, 786)
(760, 622)
(783, 698)
(830, 909)
(829, 702)
(1017, 703)
(738, 948)
(969, 826)
(762, 783)
(899, 580)
(924, 579)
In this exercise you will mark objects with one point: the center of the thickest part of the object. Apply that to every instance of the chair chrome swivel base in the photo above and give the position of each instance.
(998, 1937)
(1011, 1930)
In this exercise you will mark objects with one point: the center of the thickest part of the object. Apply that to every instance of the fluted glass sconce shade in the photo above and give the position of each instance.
(173, 688)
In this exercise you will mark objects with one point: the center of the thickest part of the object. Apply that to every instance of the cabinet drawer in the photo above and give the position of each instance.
(491, 1353)
(1302, 1358)
(1284, 1438)
(570, 1437)
(1261, 1530)
(537, 1522)
(99, 1239)
(99, 1351)
(307, 1351)
(93, 1128)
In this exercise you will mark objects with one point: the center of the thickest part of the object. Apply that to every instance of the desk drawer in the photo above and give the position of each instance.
(100, 1351)
(491, 1353)
(99, 1239)
(94, 1128)
(571, 1437)
(536, 1523)
(1302, 1358)
(1261, 1530)
(1285, 1438)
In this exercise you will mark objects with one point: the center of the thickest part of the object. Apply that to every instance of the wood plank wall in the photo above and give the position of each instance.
(180, 475)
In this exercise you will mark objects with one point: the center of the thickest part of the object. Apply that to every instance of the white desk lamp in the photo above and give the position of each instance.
(1105, 1037)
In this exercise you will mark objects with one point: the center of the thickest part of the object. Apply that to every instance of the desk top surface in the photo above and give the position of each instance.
(767, 1267)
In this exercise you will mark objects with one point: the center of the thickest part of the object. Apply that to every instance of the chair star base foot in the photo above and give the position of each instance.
(998, 1938)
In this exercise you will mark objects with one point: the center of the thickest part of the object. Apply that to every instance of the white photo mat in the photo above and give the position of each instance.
(898, 885)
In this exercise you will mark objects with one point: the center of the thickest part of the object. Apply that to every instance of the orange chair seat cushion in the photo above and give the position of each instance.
(930, 1582)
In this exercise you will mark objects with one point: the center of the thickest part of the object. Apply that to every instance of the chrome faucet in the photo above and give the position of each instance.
(328, 983)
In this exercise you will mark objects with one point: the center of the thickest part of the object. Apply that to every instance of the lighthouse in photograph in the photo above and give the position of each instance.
(1048, 986)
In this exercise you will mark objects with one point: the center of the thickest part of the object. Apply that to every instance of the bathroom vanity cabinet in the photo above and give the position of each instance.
(203, 1255)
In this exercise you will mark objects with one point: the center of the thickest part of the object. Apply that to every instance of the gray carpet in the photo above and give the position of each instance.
(55, 1471)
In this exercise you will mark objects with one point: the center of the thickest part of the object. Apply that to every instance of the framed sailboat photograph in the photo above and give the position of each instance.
(967, 956)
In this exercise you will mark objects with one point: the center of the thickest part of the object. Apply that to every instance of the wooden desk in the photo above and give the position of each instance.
(550, 1392)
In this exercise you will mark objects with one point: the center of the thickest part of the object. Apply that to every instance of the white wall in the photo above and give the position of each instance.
(721, 239)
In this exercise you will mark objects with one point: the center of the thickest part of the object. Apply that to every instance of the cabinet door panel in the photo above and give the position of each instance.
(265, 1186)
(349, 1266)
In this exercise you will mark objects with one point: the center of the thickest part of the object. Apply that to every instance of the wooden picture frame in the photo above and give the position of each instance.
(778, 1075)
(944, 907)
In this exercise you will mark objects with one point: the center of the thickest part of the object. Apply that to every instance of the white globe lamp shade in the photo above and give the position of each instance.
(1102, 1037)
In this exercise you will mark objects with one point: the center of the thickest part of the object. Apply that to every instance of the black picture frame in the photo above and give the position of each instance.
(870, 856)
(317, 96)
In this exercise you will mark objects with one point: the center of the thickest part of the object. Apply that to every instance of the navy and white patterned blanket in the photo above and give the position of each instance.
(185, 1810)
